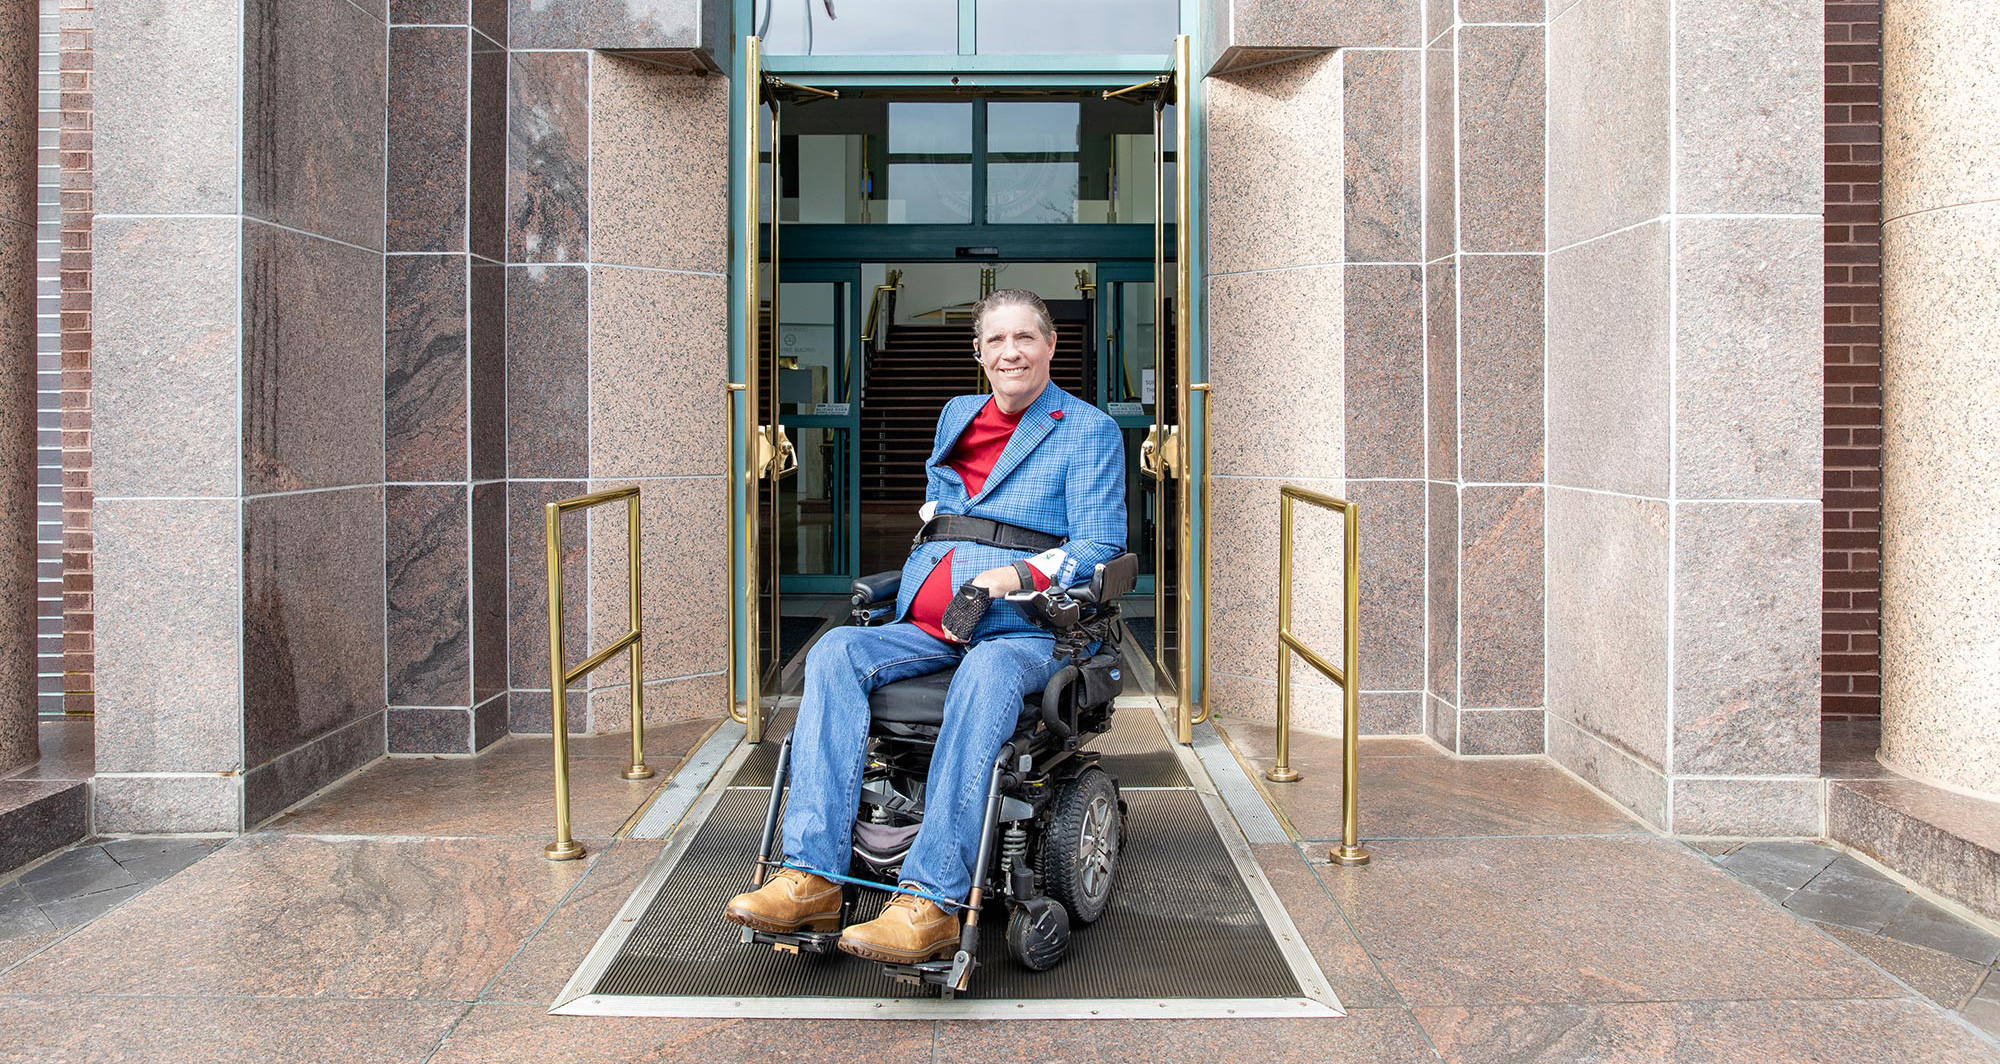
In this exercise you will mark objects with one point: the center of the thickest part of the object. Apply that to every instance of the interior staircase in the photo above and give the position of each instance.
(921, 368)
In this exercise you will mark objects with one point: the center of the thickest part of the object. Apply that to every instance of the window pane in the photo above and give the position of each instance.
(1066, 27)
(863, 161)
(1088, 161)
(858, 27)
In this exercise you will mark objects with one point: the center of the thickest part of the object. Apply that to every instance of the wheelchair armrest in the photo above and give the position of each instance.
(1110, 581)
(880, 587)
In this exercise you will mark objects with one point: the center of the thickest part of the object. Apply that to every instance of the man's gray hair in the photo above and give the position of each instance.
(1012, 297)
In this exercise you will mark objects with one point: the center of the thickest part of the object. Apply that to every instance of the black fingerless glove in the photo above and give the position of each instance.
(962, 616)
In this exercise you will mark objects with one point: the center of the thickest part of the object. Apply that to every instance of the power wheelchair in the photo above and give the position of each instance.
(1054, 823)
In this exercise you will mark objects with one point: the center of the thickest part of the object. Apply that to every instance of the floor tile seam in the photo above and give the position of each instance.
(1347, 921)
(450, 1028)
(602, 855)
(1367, 837)
(334, 999)
(1912, 998)
(272, 833)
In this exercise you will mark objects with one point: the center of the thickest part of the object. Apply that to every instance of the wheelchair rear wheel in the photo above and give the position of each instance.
(1080, 851)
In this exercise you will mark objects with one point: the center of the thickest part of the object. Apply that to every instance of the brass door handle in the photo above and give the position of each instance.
(1159, 457)
(788, 456)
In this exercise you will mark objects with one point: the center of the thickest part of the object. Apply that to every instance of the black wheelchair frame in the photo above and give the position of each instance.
(1054, 822)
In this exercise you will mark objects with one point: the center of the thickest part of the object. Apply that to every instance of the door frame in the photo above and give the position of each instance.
(807, 273)
(744, 687)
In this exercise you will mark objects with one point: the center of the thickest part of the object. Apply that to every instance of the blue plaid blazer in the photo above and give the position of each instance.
(1062, 472)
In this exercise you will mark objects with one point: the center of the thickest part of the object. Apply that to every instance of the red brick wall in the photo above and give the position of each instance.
(1850, 616)
(76, 78)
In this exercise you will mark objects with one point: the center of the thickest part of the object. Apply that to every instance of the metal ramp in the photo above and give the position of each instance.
(1194, 930)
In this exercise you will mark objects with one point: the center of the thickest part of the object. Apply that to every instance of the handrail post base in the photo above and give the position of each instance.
(1283, 774)
(1348, 855)
(563, 851)
(640, 771)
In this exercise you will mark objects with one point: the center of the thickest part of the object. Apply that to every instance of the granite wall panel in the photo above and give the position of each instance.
(1747, 387)
(1609, 99)
(658, 367)
(1748, 106)
(166, 110)
(164, 358)
(1501, 105)
(312, 622)
(424, 386)
(659, 147)
(1500, 360)
(1746, 639)
(314, 115)
(312, 362)
(167, 575)
(429, 69)
(548, 157)
(1381, 132)
(1262, 216)
(1501, 597)
(427, 572)
(1276, 365)
(1607, 617)
(489, 591)
(1609, 369)
(547, 373)
(1383, 320)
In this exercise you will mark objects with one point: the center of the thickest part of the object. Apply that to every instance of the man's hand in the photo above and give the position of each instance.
(996, 583)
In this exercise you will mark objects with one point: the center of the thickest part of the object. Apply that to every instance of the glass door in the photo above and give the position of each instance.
(820, 374)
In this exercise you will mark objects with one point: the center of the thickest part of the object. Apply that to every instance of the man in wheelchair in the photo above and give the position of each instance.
(1025, 498)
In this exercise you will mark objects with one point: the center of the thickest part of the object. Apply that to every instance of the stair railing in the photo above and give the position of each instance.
(875, 334)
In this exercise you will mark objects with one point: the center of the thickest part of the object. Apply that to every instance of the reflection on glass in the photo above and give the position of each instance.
(875, 162)
(1065, 27)
(1072, 161)
(815, 347)
(857, 27)
(812, 504)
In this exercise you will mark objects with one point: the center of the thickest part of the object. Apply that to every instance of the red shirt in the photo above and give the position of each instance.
(973, 457)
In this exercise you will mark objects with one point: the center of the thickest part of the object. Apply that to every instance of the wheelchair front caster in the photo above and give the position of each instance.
(1038, 933)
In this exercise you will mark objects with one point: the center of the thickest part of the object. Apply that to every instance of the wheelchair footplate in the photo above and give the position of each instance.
(818, 943)
(949, 976)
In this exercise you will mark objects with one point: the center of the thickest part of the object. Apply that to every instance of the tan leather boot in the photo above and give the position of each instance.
(909, 930)
(790, 900)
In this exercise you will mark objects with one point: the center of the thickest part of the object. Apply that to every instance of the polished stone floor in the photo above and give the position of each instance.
(1509, 915)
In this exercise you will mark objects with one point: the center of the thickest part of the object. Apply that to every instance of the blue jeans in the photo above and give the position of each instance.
(830, 743)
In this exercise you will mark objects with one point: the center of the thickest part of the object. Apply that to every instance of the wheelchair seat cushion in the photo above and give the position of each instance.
(920, 700)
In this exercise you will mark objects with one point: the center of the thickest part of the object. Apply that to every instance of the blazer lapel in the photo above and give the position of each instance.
(1035, 425)
(953, 429)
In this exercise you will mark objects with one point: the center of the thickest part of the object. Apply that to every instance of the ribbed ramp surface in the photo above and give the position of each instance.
(1181, 925)
(1184, 927)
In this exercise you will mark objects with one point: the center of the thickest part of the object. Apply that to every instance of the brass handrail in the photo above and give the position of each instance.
(1350, 851)
(875, 307)
(566, 848)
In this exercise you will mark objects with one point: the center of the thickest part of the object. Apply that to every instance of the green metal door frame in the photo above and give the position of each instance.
(849, 493)
(973, 72)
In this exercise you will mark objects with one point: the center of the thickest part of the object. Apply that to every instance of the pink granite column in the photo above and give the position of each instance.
(18, 65)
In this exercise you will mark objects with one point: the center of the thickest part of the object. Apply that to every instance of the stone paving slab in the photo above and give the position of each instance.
(1706, 1032)
(1945, 980)
(1851, 894)
(169, 1030)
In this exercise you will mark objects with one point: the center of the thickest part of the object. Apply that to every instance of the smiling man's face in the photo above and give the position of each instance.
(1015, 355)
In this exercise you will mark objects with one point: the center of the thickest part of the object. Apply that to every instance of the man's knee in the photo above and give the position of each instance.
(835, 650)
